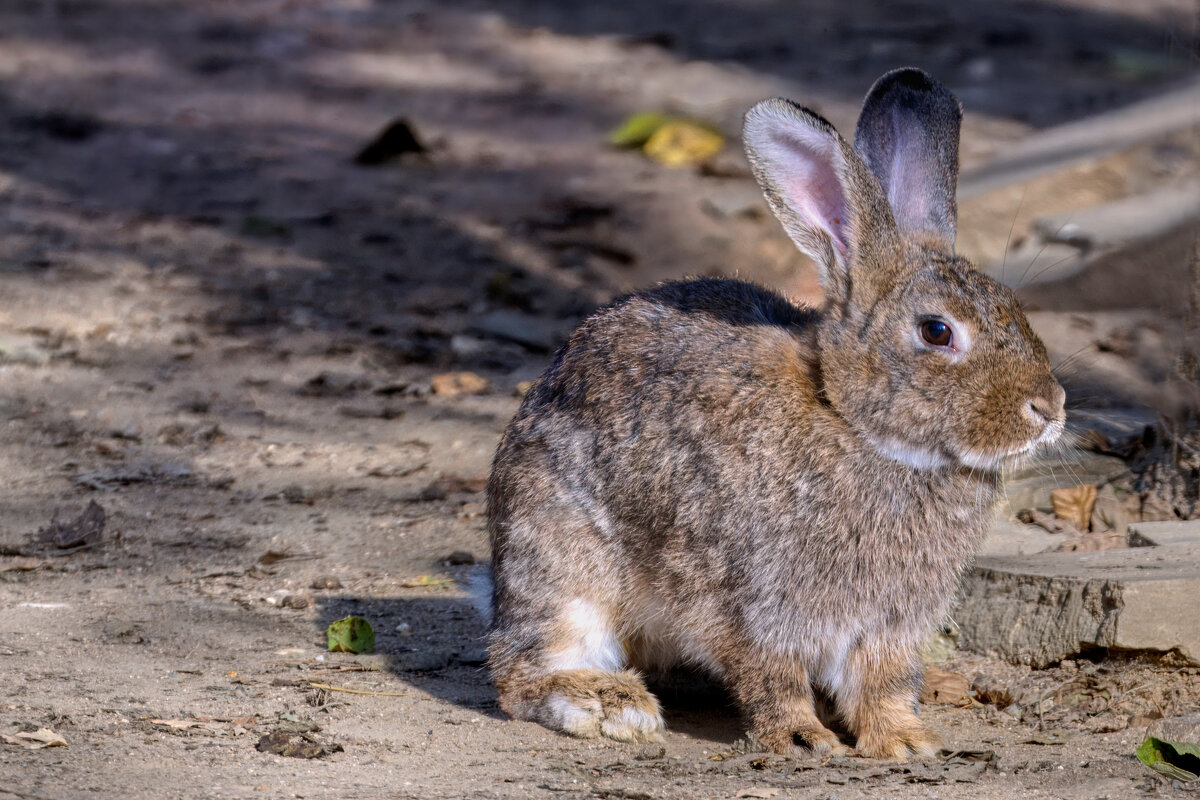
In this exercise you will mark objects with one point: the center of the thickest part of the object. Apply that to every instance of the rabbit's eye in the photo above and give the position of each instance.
(936, 333)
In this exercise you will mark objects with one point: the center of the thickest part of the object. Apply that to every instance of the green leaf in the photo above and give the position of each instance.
(637, 129)
(1177, 760)
(351, 635)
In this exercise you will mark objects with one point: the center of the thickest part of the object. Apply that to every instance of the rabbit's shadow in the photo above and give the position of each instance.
(436, 644)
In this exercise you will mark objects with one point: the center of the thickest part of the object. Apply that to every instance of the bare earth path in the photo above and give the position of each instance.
(224, 332)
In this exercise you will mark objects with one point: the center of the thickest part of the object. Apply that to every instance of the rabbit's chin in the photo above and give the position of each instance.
(995, 462)
(918, 457)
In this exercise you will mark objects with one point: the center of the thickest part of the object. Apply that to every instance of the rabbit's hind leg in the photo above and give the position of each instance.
(775, 695)
(877, 697)
(575, 680)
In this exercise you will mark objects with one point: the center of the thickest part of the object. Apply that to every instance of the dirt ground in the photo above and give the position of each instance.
(224, 332)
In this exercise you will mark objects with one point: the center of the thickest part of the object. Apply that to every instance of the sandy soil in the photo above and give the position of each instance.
(222, 331)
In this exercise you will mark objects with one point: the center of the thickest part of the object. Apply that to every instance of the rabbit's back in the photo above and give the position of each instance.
(659, 391)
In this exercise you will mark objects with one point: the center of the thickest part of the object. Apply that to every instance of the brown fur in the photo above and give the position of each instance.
(783, 496)
(607, 693)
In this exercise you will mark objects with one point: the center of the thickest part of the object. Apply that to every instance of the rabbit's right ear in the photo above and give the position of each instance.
(908, 136)
(829, 203)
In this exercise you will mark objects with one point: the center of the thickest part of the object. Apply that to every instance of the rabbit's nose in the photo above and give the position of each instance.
(1045, 409)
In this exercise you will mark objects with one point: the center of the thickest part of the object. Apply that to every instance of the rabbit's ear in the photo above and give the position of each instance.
(818, 188)
(908, 136)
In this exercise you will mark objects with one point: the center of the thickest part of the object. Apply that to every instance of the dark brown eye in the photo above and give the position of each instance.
(936, 333)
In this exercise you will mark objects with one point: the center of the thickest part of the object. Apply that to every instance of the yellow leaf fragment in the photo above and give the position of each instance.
(427, 581)
(681, 143)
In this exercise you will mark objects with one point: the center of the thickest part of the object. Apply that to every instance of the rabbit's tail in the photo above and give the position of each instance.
(480, 586)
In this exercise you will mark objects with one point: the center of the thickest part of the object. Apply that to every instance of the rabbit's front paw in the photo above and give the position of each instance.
(897, 745)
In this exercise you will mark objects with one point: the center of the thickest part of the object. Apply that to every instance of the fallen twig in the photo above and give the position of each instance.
(331, 688)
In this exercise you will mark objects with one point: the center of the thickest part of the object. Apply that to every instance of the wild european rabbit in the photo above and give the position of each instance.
(784, 496)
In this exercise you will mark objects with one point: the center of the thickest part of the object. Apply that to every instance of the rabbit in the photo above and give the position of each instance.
(786, 497)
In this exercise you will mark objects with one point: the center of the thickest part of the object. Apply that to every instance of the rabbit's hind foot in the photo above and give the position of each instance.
(588, 703)
(815, 740)
(889, 729)
(898, 744)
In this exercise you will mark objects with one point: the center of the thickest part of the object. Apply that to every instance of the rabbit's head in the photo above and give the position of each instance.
(929, 360)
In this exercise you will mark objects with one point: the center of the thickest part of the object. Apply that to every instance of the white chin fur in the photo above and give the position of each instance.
(987, 462)
(919, 457)
(910, 455)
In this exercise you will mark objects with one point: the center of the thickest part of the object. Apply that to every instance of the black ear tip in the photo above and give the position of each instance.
(913, 83)
(913, 78)
(907, 78)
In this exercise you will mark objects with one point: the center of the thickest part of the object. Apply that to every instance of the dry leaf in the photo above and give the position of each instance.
(176, 724)
(945, 688)
(273, 556)
(185, 724)
(295, 745)
(42, 737)
(989, 690)
(1075, 504)
(86, 529)
(398, 138)
(453, 484)
(455, 384)
(1095, 440)
(1048, 522)
(1093, 542)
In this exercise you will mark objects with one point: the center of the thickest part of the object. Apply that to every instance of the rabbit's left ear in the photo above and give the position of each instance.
(828, 201)
(907, 135)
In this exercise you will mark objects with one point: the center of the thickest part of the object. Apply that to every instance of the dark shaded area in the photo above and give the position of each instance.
(1031, 60)
(1039, 62)
(441, 652)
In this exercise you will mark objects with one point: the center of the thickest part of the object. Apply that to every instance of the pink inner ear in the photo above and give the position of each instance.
(806, 174)
(909, 186)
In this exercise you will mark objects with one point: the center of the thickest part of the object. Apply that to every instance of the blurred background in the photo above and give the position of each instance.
(205, 152)
(273, 274)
